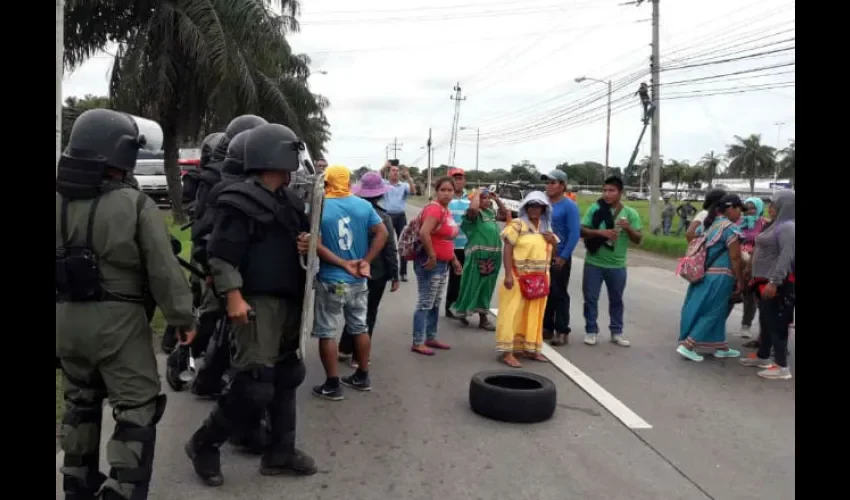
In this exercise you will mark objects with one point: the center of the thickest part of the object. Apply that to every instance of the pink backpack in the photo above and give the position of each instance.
(693, 265)
(409, 244)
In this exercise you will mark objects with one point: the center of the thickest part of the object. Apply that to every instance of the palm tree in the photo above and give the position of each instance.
(787, 163)
(676, 171)
(194, 64)
(710, 165)
(750, 158)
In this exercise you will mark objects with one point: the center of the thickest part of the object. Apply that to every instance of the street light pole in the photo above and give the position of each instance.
(776, 167)
(608, 120)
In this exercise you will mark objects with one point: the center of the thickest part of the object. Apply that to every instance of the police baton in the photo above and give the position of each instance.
(192, 269)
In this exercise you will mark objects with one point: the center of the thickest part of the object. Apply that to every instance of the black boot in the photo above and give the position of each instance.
(283, 457)
(203, 448)
(254, 440)
(83, 490)
(297, 462)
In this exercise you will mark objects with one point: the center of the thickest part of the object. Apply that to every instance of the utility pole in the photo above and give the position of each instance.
(387, 152)
(428, 148)
(608, 134)
(395, 146)
(711, 171)
(655, 131)
(457, 98)
(776, 167)
(60, 54)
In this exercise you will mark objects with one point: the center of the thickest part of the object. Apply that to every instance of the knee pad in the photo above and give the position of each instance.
(290, 373)
(131, 432)
(80, 466)
(253, 388)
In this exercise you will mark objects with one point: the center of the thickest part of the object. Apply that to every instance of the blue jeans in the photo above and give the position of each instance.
(666, 226)
(591, 285)
(430, 285)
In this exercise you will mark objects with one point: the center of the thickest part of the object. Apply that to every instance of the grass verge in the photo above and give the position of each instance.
(669, 246)
(158, 323)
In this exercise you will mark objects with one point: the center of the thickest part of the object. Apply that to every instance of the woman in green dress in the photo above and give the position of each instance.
(483, 257)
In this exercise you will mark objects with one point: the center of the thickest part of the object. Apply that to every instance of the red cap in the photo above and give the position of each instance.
(455, 171)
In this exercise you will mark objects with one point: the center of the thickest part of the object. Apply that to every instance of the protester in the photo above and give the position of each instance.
(458, 207)
(711, 198)
(566, 224)
(667, 217)
(400, 187)
(436, 234)
(686, 212)
(352, 236)
(529, 243)
(483, 257)
(703, 322)
(607, 247)
(753, 223)
(384, 268)
(774, 281)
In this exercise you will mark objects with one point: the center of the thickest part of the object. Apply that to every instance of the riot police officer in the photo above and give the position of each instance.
(211, 174)
(254, 260)
(231, 170)
(108, 272)
(191, 180)
(216, 358)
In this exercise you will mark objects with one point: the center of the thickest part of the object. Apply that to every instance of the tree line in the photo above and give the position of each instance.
(193, 65)
(745, 158)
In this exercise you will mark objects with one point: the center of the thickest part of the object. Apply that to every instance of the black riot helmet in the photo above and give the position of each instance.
(112, 138)
(209, 146)
(272, 147)
(243, 123)
(235, 161)
(236, 125)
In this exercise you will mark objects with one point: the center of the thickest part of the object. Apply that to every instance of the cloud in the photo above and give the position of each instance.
(391, 67)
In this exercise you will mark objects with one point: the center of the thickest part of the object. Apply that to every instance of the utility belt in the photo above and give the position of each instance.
(101, 296)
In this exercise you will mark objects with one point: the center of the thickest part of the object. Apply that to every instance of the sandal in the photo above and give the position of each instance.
(510, 361)
(422, 349)
(536, 356)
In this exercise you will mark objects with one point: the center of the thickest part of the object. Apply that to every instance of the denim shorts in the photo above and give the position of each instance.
(338, 305)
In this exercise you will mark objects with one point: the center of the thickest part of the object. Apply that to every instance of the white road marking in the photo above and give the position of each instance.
(614, 406)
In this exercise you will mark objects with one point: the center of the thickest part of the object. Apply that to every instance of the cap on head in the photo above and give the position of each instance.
(455, 171)
(555, 175)
(272, 147)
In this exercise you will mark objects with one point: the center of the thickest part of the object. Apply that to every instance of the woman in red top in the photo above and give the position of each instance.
(432, 267)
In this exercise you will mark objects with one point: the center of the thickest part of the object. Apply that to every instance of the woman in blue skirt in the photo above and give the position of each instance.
(703, 325)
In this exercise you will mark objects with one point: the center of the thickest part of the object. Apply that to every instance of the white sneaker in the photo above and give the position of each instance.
(590, 338)
(775, 372)
(620, 340)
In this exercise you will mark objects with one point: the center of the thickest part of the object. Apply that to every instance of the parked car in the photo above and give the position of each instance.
(511, 195)
(150, 174)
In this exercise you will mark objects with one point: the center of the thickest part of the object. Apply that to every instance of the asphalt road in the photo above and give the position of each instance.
(718, 431)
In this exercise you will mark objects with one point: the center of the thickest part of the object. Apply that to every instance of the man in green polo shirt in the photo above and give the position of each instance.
(608, 227)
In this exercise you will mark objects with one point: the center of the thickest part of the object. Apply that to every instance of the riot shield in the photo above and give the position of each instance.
(311, 186)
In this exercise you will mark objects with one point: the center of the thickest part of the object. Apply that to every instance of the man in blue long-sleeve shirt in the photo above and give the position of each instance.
(566, 220)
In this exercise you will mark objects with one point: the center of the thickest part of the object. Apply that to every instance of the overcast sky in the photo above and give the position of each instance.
(391, 67)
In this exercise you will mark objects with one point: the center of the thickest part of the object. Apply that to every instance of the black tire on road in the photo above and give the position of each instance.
(513, 396)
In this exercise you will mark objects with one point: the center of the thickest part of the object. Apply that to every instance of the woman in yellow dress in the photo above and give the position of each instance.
(528, 242)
